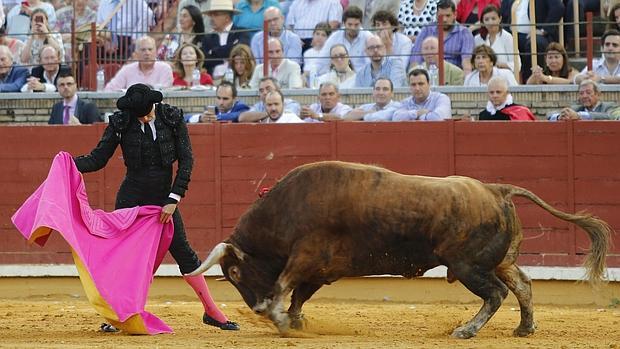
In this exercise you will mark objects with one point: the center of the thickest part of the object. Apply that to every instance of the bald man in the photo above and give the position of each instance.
(453, 75)
(291, 43)
(284, 70)
(500, 105)
(44, 77)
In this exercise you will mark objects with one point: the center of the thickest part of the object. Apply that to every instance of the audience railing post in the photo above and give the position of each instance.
(589, 40)
(265, 48)
(533, 45)
(92, 58)
(440, 51)
(576, 28)
(515, 42)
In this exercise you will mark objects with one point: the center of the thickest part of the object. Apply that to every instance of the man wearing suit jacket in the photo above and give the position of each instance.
(217, 44)
(12, 76)
(43, 77)
(72, 109)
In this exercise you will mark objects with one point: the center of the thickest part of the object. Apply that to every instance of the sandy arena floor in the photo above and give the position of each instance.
(53, 313)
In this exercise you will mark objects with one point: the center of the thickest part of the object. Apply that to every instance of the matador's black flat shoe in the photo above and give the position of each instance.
(226, 326)
(108, 328)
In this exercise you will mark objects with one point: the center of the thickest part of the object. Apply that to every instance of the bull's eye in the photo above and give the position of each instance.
(234, 273)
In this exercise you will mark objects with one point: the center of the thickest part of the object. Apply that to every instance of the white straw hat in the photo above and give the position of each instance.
(222, 5)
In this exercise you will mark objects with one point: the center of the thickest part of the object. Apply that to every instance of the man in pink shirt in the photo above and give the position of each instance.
(146, 70)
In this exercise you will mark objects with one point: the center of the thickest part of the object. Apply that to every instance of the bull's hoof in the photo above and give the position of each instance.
(299, 322)
(462, 333)
(524, 331)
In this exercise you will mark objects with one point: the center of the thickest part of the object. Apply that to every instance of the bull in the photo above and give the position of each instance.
(328, 220)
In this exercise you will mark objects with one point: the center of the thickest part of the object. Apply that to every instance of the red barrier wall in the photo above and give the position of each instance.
(572, 165)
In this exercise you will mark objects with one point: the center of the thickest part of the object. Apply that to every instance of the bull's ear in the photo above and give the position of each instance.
(240, 255)
(234, 273)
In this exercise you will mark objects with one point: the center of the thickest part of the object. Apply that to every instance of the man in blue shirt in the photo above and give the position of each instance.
(380, 66)
(12, 77)
(291, 43)
(423, 104)
(228, 106)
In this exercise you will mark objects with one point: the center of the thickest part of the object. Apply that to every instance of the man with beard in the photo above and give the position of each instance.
(458, 41)
(590, 106)
(353, 38)
(259, 110)
(379, 66)
(275, 110)
(605, 70)
(72, 109)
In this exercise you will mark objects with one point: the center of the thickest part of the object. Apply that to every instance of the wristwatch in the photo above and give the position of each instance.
(320, 116)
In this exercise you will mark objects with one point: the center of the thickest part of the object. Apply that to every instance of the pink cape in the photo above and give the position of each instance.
(116, 253)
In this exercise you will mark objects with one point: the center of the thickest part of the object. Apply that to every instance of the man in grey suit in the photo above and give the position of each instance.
(370, 7)
(590, 106)
(72, 109)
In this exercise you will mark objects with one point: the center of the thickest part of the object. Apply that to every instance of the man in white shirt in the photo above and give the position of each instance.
(287, 72)
(382, 109)
(304, 15)
(328, 108)
(132, 20)
(353, 38)
(606, 70)
(274, 102)
(43, 77)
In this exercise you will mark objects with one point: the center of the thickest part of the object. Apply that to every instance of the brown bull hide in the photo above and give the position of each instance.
(329, 220)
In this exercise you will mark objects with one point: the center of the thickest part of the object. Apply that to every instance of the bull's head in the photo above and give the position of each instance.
(253, 277)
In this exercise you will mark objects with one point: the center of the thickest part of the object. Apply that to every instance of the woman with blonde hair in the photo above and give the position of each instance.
(187, 59)
(240, 65)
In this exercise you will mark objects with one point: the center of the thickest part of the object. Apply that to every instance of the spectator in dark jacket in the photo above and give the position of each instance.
(44, 77)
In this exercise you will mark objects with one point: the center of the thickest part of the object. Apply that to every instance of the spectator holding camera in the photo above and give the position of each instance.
(19, 17)
(40, 36)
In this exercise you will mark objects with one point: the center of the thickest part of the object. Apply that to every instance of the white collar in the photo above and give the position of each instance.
(491, 108)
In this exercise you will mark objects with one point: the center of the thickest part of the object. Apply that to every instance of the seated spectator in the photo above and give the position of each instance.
(284, 70)
(41, 36)
(469, 12)
(291, 43)
(414, 15)
(72, 109)
(304, 15)
(382, 109)
(458, 41)
(484, 60)
(129, 21)
(397, 45)
(452, 75)
(202, 5)
(371, 7)
(590, 106)
(548, 14)
(274, 102)
(500, 105)
(497, 38)
(19, 17)
(14, 45)
(146, 70)
(313, 54)
(423, 104)
(606, 70)
(341, 70)
(614, 17)
(228, 106)
(258, 111)
(187, 59)
(43, 77)
(241, 64)
(190, 30)
(252, 12)
(12, 76)
(557, 69)
(328, 108)
(352, 37)
(83, 15)
(218, 44)
(379, 66)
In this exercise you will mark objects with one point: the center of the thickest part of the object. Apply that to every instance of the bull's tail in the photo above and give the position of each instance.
(598, 231)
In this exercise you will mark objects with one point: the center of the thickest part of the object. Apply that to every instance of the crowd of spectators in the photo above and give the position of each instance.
(325, 45)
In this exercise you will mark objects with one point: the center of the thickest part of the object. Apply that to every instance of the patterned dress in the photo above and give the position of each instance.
(411, 22)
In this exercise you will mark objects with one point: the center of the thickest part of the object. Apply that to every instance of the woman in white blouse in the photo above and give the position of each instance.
(341, 71)
(497, 38)
(484, 60)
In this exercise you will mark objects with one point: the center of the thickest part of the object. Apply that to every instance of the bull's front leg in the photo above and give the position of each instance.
(275, 311)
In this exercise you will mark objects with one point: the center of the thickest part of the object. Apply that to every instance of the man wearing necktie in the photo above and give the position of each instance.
(72, 110)
(152, 136)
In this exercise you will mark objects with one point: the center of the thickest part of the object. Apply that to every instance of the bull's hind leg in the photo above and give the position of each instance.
(521, 285)
(485, 285)
(301, 293)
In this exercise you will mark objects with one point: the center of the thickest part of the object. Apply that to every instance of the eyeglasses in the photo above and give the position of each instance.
(374, 47)
(342, 55)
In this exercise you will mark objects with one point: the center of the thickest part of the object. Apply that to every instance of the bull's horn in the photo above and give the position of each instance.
(214, 258)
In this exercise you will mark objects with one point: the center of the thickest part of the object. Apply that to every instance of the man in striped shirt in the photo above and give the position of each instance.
(304, 15)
